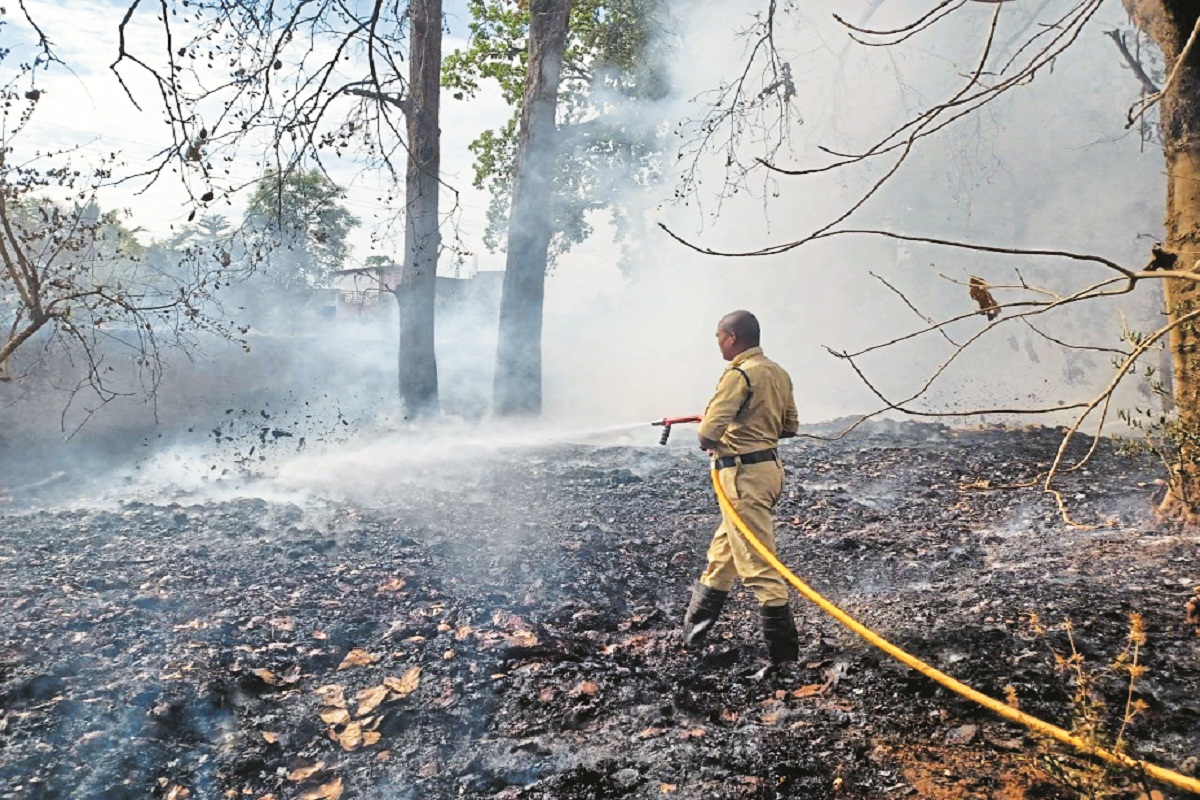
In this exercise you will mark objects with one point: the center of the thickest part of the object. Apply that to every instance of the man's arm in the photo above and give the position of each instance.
(731, 391)
(791, 419)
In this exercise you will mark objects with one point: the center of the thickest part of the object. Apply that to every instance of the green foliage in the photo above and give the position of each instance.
(497, 51)
(296, 230)
(379, 262)
(611, 62)
(1161, 432)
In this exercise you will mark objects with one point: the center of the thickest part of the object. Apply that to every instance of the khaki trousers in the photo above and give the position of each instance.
(753, 491)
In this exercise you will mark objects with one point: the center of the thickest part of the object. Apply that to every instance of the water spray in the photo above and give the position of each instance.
(667, 422)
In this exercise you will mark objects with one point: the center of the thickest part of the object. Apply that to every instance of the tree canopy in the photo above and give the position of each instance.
(296, 229)
(614, 58)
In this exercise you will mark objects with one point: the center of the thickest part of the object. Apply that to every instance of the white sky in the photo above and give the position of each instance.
(87, 107)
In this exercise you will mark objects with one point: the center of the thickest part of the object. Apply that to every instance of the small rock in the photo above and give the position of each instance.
(1009, 744)
(964, 734)
(627, 778)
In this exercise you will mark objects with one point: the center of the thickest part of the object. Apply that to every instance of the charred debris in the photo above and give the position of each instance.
(506, 627)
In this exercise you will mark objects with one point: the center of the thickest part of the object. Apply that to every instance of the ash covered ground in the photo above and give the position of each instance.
(502, 623)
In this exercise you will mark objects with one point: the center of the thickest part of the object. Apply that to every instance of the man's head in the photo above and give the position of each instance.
(736, 333)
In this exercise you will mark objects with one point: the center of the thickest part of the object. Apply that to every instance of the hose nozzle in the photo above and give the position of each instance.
(667, 422)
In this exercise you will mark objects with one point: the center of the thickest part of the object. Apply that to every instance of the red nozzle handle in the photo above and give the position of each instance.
(669, 421)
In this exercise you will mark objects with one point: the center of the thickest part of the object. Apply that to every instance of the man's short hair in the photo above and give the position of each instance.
(743, 325)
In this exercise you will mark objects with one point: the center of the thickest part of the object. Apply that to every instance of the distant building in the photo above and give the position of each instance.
(365, 293)
(359, 293)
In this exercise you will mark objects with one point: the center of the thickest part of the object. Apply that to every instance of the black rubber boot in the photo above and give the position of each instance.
(702, 614)
(779, 629)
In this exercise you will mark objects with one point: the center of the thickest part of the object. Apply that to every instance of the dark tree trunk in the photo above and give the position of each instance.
(518, 382)
(1170, 23)
(415, 290)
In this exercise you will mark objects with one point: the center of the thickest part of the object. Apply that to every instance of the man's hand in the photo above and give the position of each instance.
(707, 444)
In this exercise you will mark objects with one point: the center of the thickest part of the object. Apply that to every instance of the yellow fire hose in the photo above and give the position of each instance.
(1004, 710)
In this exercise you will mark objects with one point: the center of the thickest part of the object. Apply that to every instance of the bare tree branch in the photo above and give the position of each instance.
(1118, 38)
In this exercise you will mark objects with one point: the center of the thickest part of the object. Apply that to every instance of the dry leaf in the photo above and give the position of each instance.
(462, 633)
(330, 791)
(427, 770)
(693, 733)
(384, 755)
(266, 676)
(548, 694)
(351, 738)
(335, 716)
(502, 619)
(320, 635)
(370, 699)
(587, 687)
(332, 694)
(358, 658)
(522, 638)
(647, 733)
(393, 585)
(371, 737)
(729, 716)
(271, 738)
(406, 684)
(178, 793)
(667, 788)
(305, 772)
(810, 690)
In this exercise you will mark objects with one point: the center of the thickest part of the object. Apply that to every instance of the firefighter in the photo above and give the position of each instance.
(752, 409)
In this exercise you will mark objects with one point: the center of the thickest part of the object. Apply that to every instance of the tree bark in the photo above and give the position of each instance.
(1170, 23)
(518, 381)
(416, 289)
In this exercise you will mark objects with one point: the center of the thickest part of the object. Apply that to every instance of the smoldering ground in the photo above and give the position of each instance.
(152, 648)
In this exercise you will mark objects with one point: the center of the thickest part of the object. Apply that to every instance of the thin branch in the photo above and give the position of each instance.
(1139, 72)
(786, 246)
(904, 28)
(1069, 346)
(901, 295)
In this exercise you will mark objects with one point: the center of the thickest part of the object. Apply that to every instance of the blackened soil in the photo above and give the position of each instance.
(175, 650)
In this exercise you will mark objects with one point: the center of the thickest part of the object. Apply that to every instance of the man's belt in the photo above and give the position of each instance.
(724, 462)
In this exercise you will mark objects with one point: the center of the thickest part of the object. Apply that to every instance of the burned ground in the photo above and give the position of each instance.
(200, 648)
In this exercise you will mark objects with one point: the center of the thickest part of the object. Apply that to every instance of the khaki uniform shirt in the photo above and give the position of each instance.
(752, 406)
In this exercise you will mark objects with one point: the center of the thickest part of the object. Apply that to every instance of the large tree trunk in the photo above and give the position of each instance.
(518, 382)
(415, 291)
(1170, 23)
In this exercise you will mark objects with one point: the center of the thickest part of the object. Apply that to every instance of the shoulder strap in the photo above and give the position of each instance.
(749, 391)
